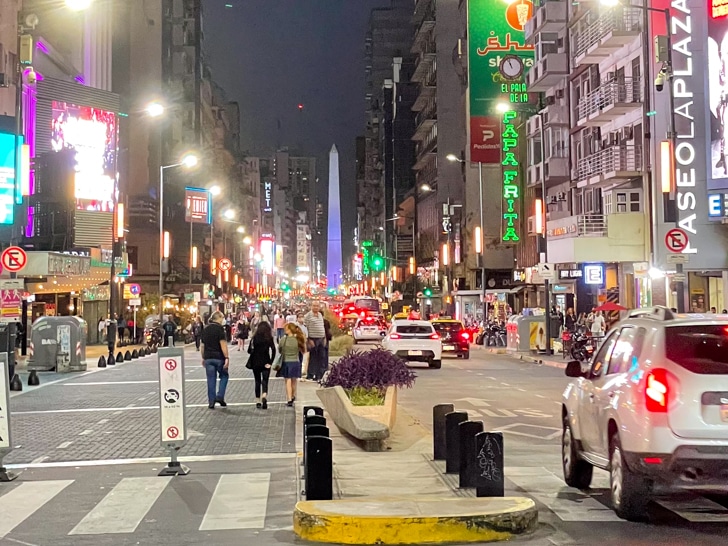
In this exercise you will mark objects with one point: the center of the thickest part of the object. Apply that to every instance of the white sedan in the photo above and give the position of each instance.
(414, 340)
(369, 329)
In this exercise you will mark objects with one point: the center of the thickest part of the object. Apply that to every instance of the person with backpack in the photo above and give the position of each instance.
(170, 328)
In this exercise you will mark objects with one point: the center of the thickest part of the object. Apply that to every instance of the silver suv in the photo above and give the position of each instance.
(652, 409)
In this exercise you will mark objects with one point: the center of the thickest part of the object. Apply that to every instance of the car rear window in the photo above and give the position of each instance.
(447, 326)
(413, 329)
(701, 349)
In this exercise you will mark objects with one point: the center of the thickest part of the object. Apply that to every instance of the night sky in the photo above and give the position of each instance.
(271, 55)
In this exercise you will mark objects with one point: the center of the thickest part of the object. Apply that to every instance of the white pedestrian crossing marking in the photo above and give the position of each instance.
(239, 502)
(548, 489)
(697, 510)
(123, 508)
(20, 503)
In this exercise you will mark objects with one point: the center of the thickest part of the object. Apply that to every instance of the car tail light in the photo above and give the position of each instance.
(652, 460)
(657, 391)
(435, 336)
(465, 336)
(395, 336)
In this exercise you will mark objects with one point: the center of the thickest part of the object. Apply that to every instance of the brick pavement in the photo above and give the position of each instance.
(112, 414)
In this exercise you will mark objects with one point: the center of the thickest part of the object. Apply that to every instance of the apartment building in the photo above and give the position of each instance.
(589, 152)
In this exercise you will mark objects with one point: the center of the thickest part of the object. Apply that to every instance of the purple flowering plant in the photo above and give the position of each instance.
(376, 369)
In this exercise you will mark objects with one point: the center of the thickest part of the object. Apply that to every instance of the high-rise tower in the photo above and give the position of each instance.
(333, 251)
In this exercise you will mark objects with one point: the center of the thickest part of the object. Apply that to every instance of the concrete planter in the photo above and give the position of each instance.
(370, 424)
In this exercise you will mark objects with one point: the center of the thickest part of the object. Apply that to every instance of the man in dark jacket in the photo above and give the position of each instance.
(170, 328)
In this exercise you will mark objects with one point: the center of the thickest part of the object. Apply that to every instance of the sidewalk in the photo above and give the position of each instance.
(399, 496)
(555, 361)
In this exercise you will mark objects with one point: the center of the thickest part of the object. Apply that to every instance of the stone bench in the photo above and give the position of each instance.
(346, 416)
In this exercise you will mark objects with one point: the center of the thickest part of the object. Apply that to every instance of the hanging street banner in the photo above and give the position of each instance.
(498, 59)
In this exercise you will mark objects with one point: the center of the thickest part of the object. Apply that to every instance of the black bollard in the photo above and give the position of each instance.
(312, 419)
(147, 351)
(317, 430)
(438, 430)
(111, 360)
(134, 354)
(16, 384)
(119, 357)
(490, 476)
(33, 379)
(127, 356)
(319, 468)
(468, 462)
(307, 410)
(102, 362)
(452, 439)
(154, 348)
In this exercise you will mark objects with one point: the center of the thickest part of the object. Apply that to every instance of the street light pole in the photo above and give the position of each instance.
(481, 256)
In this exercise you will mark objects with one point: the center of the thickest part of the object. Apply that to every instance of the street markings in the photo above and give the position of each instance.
(20, 503)
(697, 510)
(123, 509)
(239, 502)
(64, 445)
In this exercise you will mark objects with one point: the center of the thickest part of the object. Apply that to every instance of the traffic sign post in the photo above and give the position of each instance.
(172, 419)
(6, 443)
(548, 274)
(13, 259)
(225, 265)
(676, 241)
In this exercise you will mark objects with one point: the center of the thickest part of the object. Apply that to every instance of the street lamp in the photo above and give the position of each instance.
(154, 109)
(229, 214)
(424, 188)
(215, 190)
(241, 229)
(188, 161)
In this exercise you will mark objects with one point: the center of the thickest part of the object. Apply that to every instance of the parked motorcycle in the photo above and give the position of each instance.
(582, 346)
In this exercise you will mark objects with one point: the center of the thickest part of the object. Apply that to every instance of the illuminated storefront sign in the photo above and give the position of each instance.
(594, 274)
(266, 247)
(91, 133)
(495, 31)
(8, 149)
(511, 179)
(198, 206)
(267, 196)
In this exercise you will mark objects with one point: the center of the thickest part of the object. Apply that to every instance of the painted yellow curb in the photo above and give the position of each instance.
(406, 520)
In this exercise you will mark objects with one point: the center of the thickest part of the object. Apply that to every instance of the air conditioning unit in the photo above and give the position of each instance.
(531, 225)
(550, 99)
(552, 200)
(561, 196)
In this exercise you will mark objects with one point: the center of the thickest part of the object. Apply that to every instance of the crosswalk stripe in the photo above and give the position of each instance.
(548, 489)
(123, 508)
(239, 502)
(697, 510)
(18, 504)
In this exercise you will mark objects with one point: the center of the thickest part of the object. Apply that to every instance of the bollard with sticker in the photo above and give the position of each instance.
(6, 442)
(172, 418)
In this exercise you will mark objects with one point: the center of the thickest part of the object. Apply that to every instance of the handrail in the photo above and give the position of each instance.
(608, 94)
(618, 19)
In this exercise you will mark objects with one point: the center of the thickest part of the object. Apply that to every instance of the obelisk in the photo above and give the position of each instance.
(333, 248)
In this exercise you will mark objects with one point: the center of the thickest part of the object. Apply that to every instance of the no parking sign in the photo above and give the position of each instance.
(173, 432)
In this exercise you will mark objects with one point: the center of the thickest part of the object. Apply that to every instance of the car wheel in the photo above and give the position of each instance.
(436, 364)
(629, 491)
(577, 472)
(466, 356)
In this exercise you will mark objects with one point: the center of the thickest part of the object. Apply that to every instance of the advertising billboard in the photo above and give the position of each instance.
(198, 206)
(266, 247)
(91, 134)
(8, 150)
(495, 31)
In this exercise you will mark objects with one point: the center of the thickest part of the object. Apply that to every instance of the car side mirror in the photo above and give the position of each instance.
(573, 369)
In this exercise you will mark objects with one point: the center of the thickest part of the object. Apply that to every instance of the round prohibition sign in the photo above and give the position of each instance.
(676, 240)
(170, 365)
(225, 264)
(13, 259)
(172, 432)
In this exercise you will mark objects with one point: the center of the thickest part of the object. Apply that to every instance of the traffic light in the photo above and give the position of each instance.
(285, 287)
(332, 291)
(427, 292)
(377, 262)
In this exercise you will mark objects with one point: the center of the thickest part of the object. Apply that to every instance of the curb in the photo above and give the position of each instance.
(414, 520)
(536, 360)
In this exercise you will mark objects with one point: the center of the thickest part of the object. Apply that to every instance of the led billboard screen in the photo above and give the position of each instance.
(198, 209)
(91, 133)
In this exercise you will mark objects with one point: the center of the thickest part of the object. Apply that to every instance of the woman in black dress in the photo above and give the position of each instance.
(262, 351)
(241, 331)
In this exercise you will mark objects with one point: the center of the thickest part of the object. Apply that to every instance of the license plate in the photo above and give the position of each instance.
(449, 347)
(415, 353)
(724, 412)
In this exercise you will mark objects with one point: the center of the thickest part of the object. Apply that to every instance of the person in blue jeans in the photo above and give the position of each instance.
(215, 358)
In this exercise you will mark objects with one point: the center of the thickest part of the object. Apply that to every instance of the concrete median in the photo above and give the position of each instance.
(414, 520)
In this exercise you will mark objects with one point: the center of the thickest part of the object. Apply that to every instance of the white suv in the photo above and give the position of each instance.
(414, 340)
(652, 409)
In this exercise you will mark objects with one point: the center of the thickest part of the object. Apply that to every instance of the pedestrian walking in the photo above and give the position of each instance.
(598, 325)
(262, 351)
(101, 327)
(241, 332)
(254, 322)
(279, 322)
(215, 359)
(291, 347)
(314, 322)
(197, 328)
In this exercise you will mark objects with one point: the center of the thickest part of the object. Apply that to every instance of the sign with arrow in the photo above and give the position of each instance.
(547, 272)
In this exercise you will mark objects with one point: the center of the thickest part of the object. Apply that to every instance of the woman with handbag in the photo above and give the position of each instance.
(262, 351)
(292, 344)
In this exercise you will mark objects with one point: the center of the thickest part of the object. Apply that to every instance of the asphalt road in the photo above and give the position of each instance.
(522, 400)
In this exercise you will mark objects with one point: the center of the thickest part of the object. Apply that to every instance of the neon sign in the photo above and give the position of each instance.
(91, 133)
(267, 196)
(511, 189)
(8, 150)
(198, 209)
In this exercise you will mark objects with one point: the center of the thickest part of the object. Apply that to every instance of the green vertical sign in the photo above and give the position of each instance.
(495, 31)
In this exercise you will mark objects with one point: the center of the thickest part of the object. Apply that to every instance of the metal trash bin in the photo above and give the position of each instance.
(58, 343)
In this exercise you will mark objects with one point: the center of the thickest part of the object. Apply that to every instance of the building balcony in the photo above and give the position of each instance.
(422, 34)
(549, 17)
(427, 93)
(424, 128)
(425, 62)
(613, 164)
(547, 72)
(553, 170)
(608, 102)
(430, 114)
(597, 238)
(553, 114)
(614, 29)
